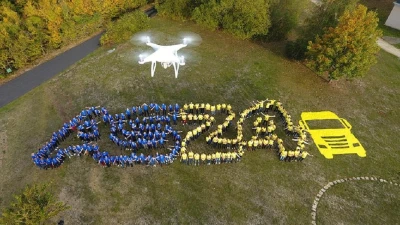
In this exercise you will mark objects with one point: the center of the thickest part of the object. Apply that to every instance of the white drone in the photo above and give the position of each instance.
(166, 55)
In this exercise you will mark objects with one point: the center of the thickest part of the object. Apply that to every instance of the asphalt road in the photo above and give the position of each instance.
(36, 76)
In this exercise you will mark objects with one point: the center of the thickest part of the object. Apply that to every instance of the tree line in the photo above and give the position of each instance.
(31, 28)
(336, 40)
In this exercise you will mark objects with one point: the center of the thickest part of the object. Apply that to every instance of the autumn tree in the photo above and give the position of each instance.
(349, 49)
(324, 15)
(34, 206)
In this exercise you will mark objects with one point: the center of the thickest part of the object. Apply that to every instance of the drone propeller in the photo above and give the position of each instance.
(190, 38)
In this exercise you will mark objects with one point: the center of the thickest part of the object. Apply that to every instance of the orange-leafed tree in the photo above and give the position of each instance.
(349, 49)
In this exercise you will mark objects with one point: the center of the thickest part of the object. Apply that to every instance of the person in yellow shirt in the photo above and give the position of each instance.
(270, 143)
(194, 133)
(258, 131)
(184, 118)
(183, 150)
(223, 157)
(266, 118)
(234, 156)
(191, 156)
(197, 107)
(219, 142)
(303, 155)
(223, 107)
(234, 143)
(224, 143)
(185, 107)
(281, 148)
(209, 157)
(290, 155)
(203, 158)
(215, 141)
(195, 118)
(263, 131)
(228, 109)
(184, 158)
(197, 159)
(198, 130)
(228, 157)
(297, 154)
(191, 107)
(202, 106)
(264, 143)
(208, 140)
(255, 124)
(200, 118)
(255, 144)
(219, 108)
(202, 128)
(213, 157)
(212, 110)
(284, 154)
(229, 145)
(250, 145)
(208, 125)
(217, 158)
(212, 119)
(190, 118)
(208, 107)
(189, 136)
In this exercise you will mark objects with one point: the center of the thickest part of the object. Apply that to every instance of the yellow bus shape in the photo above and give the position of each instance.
(331, 134)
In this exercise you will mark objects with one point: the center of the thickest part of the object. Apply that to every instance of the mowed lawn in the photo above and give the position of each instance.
(258, 190)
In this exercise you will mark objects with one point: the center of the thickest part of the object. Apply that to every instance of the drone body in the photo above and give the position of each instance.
(166, 55)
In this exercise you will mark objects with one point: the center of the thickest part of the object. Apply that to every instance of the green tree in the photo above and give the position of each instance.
(284, 17)
(349, 49)
(34, 206)
(177, 9)
(123, 29)
(242, 18)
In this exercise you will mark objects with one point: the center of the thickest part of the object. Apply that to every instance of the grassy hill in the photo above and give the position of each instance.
(258, 190)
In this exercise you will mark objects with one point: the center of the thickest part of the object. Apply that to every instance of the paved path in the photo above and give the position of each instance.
(388, 47)
(36, 76)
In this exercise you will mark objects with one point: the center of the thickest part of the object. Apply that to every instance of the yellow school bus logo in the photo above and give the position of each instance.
(331, 134)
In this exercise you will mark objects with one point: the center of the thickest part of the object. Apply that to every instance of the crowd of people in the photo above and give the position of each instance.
(154, 130)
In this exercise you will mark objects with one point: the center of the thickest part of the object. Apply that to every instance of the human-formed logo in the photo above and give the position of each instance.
(150, 134)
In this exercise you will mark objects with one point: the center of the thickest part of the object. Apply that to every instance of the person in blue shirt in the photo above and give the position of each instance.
(121, 161)
(128, 113)
(123, 117)
(176, 108)
(134, 111)
(153, 161)
(162, 159)
(102, 162)
(146, 109)
(157, 109)
(96, 134)
(55, 163)
(142, 158)
(108, 161)
(112, 160)
(164, 109)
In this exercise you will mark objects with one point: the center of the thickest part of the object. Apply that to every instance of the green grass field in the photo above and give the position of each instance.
(258, 190)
